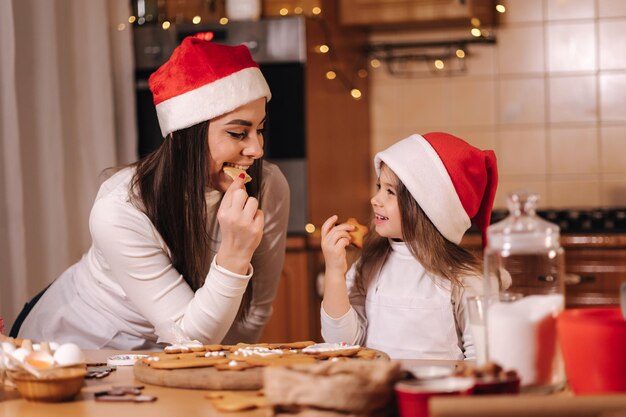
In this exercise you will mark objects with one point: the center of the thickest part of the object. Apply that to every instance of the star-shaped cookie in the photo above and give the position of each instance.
(358, 233)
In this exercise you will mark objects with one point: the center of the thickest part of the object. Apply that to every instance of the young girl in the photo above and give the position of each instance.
(405, 295)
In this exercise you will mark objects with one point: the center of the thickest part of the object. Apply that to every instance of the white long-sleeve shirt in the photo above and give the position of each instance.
(407, 312)
(125, 284)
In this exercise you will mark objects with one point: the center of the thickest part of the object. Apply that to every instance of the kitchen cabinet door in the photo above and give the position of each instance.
(293, 307)
(422, 13)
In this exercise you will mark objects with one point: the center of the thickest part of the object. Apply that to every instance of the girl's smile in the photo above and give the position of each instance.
(385, 204)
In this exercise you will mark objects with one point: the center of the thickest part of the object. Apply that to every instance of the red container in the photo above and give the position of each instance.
(593, 341)
(413, 396)
(493, 386)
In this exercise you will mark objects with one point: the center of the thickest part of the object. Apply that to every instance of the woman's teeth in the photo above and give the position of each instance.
(379, 217)
(241, 167)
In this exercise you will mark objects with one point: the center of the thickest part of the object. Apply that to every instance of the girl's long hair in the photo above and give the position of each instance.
(169, 185)
(438, 255)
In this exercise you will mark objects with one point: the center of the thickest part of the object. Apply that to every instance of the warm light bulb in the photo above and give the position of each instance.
(500, 8)
(223, 20)
(324, 49)
(362, 73)
(355, 93)
(298, 10)
(165, 25)
(121, 27)
(375, 63)
(283, 12)
(196, 20)
(475, 21)
(460, 53)
(316, 10)
(131, 19)
(439, 64)
(475, 32)
(309, 227)
(331, 75)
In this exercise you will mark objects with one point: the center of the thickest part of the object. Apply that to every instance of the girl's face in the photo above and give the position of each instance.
(385, 205)
(236, 140)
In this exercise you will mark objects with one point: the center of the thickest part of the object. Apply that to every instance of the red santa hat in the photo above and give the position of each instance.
(203, 80)
(452, 181)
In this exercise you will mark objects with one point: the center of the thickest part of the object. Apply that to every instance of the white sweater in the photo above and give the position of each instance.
(125, 285)
(407, 313)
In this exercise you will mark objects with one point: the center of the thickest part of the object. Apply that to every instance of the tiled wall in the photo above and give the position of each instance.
(549, 98)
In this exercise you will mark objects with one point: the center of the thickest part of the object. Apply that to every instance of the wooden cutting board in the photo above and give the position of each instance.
(200, 378)
(208, 378)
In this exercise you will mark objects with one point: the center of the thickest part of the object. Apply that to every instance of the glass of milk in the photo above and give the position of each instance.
(477, 319)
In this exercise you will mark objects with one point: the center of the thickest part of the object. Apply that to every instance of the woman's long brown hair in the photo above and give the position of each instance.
(437, 254)
(169, 185)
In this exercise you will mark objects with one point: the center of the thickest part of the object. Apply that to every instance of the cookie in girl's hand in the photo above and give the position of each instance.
(359, 232)
(235, 172)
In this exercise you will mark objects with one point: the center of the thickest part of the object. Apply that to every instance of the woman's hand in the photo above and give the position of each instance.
(334, 242)
(241, 225)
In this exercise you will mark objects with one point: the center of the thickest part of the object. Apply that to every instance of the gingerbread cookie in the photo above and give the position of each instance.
(189, 362)
(291, 345)
(237, 401)
(358, 234)
(235, 172)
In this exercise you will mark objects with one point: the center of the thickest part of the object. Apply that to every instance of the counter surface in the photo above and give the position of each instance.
(188, 402)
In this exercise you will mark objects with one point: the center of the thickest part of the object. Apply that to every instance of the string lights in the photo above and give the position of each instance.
(414, 59)
(398, 58)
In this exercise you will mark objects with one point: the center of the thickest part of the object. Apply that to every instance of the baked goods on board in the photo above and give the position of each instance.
(240, 367)
(358, 234)
(245, 356)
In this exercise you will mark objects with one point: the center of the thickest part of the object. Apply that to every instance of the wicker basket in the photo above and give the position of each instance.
(61, 384)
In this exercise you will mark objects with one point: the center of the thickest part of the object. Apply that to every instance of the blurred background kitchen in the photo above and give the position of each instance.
(542, 82)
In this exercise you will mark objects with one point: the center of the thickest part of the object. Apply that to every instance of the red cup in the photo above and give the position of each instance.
(593, 342)
(413, 395)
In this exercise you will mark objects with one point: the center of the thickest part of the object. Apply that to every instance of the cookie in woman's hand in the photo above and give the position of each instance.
(359, 232)
(235, 172)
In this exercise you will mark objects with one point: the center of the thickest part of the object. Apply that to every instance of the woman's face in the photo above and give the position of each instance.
(236, 140)
(385, 205)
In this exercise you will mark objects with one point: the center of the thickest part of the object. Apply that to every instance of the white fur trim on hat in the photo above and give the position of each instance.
(423, 173)
(212, 100)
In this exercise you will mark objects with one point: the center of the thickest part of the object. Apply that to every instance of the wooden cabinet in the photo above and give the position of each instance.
(296, 307)
(418, 13)
(595, 267)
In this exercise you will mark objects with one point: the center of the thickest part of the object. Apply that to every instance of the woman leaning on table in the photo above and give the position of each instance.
(174, 238)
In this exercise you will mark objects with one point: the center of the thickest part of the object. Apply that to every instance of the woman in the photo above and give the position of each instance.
(177, 245)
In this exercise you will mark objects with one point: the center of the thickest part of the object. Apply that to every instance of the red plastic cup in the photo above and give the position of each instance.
(593, 342)
(412, 396)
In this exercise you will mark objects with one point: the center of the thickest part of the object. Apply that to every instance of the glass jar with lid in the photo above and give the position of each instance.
(524, 265)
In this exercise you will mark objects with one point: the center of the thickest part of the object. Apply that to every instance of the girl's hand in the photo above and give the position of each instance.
(241, 225)
(334, 242)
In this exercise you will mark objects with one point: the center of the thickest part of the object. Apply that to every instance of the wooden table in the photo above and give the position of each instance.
(170, 401)
(192, 403)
